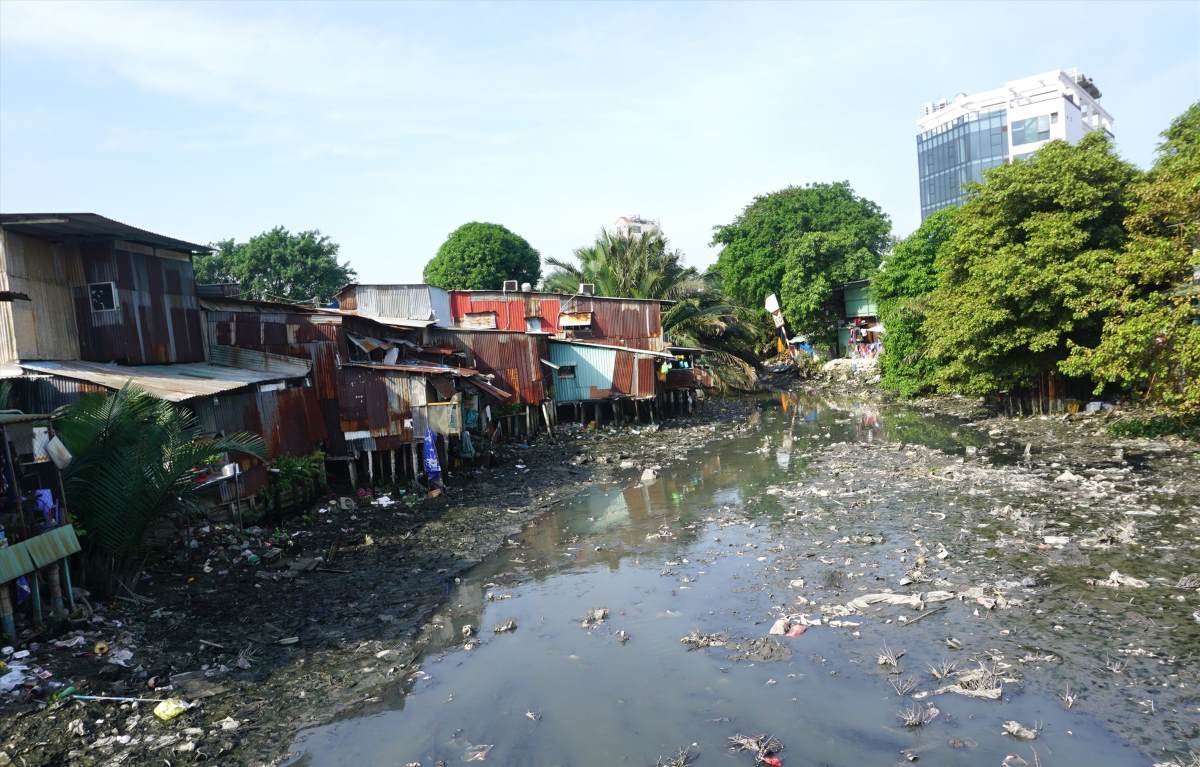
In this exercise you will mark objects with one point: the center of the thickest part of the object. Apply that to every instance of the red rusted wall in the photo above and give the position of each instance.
(636, 324)
(647, 378)
(514, 358)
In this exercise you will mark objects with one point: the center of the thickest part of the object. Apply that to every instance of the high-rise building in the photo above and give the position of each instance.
(635, 226)
(960, 138)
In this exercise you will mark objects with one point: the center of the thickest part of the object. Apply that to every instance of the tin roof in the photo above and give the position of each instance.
(223, 304)
(404, 322)
(515, 294)
(415, 367)
(176, 383)
(638, 352)
(90, 226)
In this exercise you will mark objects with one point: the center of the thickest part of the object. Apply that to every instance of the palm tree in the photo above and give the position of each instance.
(644, 266)
(134, 456)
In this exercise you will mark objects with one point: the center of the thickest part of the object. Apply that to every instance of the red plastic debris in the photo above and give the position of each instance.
(772, 761)
(796, 631)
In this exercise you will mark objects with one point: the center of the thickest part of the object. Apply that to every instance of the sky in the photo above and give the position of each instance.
(388, 125)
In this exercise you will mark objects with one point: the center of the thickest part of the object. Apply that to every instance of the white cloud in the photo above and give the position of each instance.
(185, 50)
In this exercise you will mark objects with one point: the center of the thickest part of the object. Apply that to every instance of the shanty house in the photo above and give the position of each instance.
(379, 385)
(629, 322)
(89, 304)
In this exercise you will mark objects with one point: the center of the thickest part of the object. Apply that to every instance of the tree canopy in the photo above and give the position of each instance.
(802, 243)
(278, 265)
(1029, 267)
(901, 289)
(1150, 341)
(634, 266)
(480, 256)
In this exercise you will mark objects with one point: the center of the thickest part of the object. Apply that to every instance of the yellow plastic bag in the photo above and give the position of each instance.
(170, 708)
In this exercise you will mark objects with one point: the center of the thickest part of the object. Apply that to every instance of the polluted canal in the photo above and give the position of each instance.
(866, 585)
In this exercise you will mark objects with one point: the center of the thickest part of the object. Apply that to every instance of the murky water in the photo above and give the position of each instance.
(710, 546)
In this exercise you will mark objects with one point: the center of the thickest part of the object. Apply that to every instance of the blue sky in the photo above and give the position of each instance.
(386, 125)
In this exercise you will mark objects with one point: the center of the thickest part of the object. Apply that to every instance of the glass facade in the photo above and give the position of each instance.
(1031, 130)
(959, 151)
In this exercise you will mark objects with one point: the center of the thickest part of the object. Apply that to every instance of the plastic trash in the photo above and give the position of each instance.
(170, 708)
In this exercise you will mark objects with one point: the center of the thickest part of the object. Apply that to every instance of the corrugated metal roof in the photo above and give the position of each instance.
(176, 383)
(502, 295)
(53, 545)
(14, 562)
(638, 352)
(489, 388)
(225, 304)
(512, 357)
(90, 226)
(259, 361)
(403, 322)
(395, 303)
(415, 367)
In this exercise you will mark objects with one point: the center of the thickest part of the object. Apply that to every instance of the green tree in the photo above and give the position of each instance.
(133, 459)
(901, 289)
(802, 243)
(478, 256)
(1029, 267)
(278, 265)
(1151, 338)
(646, 267)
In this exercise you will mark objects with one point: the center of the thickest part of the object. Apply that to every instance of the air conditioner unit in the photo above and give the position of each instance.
(510, 286)
(587, 288)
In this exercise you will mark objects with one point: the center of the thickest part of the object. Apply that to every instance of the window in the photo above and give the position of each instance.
(103, 296)
(533, 324)
(1031, 130)
(566, 371)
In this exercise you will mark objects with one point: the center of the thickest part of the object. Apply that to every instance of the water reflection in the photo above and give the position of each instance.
(657, 555)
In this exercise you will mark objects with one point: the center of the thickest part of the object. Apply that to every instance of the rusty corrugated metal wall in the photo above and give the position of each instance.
(376, 408)
(514, 358)
(615, 321)
(414, 302)
(42, 328)
(381, 410)
(157, 320)
(317, 338)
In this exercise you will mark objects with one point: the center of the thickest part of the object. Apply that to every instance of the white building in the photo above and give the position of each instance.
(960, 138)
(636, 226)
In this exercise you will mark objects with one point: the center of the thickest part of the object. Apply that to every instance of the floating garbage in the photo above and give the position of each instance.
(1019, 731)
(1116, 580)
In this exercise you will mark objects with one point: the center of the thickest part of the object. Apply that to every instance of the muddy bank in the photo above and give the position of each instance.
(266, 631)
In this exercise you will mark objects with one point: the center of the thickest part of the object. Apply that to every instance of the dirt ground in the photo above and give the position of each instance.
(267, 631)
